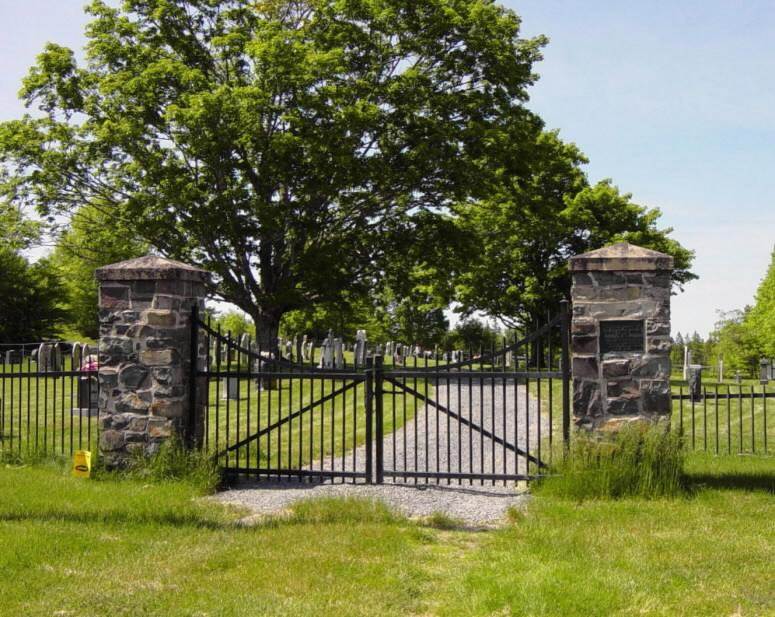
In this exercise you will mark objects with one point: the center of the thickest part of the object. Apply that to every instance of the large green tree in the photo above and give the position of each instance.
(93, 238)
(760, 320)
(31, 299)
(279, 143)
(522, 235)
(31, 294)
(735, 344)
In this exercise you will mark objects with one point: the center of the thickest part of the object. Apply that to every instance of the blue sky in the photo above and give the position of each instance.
(675, 101)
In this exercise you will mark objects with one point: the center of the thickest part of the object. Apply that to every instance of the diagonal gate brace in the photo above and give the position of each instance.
(462, 420)
(288, 418)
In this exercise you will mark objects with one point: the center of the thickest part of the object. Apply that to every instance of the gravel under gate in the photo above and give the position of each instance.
(505, 409)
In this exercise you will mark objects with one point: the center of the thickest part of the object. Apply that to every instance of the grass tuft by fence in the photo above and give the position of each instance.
(636, 462)
(175, 462)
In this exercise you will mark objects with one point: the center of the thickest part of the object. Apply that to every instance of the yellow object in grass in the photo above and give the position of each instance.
(82, 464)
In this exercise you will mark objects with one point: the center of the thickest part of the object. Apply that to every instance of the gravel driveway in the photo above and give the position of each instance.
(432, 440)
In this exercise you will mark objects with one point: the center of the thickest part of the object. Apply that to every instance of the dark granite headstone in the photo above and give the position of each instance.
(695, 382)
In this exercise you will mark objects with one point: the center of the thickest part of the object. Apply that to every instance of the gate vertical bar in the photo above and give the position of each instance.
(564, 325)
(190, 436)
(369, 402)
(378, 387)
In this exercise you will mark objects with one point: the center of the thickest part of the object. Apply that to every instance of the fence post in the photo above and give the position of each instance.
(378, 387)
(369, 416)
(564, 326)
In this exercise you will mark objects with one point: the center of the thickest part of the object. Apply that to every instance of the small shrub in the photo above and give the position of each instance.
(637, 461)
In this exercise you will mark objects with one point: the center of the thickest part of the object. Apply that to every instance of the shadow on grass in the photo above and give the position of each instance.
(316, 511)
(739, 481)
(87, 517)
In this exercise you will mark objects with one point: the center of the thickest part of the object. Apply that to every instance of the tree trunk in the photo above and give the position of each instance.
(267, 331)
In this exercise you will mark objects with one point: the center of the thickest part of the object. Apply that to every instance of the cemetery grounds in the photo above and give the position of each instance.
(128, 546)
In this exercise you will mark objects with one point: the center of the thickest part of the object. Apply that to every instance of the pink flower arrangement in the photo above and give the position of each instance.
(90, 364)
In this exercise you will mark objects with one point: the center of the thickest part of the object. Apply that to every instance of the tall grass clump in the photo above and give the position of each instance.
(175, 462)
(638, 461)
(347, 510)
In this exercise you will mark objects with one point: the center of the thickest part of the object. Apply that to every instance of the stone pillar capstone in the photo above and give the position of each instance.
(620, 336)
(145, 355)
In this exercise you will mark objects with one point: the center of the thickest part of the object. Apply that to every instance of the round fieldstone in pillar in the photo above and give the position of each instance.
(620, 336)
(145, 349)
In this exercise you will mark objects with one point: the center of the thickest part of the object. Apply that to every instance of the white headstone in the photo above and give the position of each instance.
(360, 348)
(327, 351)
(77, 356)
(44, 357)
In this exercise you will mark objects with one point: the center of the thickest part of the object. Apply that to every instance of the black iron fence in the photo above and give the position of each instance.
(725, 419)
(48, 399)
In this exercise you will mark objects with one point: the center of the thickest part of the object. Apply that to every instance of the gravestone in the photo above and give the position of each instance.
(304, 350)
(77, 356)
(327, 351)
(56, 357)
(695, 382)
(764, 371)
(145, 356)
(360, 348)
(620, 336)
(338, 353)
(398, 351)
(88, 390)
(230, 388)
(43, 356)
(13, 356)
(244, 341)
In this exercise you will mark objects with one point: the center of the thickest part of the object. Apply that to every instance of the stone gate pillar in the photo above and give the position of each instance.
(145, 354)
(620, 336)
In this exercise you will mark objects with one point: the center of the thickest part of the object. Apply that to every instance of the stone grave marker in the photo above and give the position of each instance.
(360, 348)
(77, 356)
(764, 371)
(338, 353)
(695, 382)
(13, 356)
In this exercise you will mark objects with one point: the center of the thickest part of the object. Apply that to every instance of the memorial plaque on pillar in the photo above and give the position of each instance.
(622, 336)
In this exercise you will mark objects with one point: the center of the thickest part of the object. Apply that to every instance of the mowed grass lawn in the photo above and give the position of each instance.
(126, 547)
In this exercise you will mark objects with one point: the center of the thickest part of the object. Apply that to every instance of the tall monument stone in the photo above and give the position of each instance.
(145, 355)
(620, 336)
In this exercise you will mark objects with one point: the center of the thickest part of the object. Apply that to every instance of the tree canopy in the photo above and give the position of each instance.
(760, 321)
(93, 238)
(283, 144)
(30, 299)
(522, 235)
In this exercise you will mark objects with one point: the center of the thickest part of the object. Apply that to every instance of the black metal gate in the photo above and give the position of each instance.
(490, 415)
